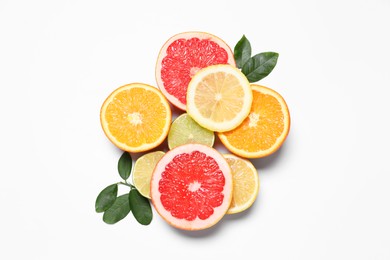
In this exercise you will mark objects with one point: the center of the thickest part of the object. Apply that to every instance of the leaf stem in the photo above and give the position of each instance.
(126, 184)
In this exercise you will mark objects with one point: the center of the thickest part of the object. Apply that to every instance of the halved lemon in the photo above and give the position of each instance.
(245, 183)
(219, 97)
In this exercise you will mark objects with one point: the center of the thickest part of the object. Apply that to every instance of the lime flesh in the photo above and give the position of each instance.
(185, 130)
(143, 170)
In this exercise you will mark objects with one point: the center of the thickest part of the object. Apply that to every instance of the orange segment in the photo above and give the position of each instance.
(136, 117)
(265, 128)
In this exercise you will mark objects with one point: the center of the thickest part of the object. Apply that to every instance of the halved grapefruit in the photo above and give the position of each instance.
(182, 56)
(191, 187)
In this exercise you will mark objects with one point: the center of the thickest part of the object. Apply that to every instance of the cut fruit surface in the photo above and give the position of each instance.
(185, 130)
(191, 187)
(264, 130)
(143, 169)
(219, 98)
(136, 117)
(182, 56)
(245, 183)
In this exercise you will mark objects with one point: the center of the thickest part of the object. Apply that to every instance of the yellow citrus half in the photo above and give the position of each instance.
(245, 183)
(219, 97)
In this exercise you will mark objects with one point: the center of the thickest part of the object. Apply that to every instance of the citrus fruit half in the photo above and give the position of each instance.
(182, 56)
(191, 187)
(245, 183)
(142, 171)
(264, 130)
(219, 97)
(136, 117)
(185, 130)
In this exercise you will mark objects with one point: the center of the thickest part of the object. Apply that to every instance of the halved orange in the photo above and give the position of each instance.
(264, 130)
(136, 117)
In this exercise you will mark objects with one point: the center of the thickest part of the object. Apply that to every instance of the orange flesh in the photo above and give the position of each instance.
(261, 129)
(136, 117)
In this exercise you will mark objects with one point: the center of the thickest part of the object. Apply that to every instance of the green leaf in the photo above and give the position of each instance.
(106, 198)
(118, 210)
(260, 65)
(242, 51)
(124, 165)
(141, 208)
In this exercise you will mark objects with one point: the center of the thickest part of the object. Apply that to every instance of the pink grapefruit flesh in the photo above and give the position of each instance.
(191, 187)
(182, 56)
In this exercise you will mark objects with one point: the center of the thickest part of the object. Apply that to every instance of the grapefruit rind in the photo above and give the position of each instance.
(219, 212)
(163, 53)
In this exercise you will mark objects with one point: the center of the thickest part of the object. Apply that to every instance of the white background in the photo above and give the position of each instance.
(324, 195)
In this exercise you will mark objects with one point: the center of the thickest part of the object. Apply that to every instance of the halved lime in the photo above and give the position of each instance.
(185, 130)
(143, 169)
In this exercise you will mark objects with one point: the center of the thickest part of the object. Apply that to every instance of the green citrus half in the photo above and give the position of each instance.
(143, 169)
(185, 130)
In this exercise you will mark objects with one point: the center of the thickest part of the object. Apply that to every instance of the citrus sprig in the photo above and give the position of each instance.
(116, 207)
(256, 67)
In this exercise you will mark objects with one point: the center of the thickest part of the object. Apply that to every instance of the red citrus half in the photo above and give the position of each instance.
(182, 56)
(191, 187)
